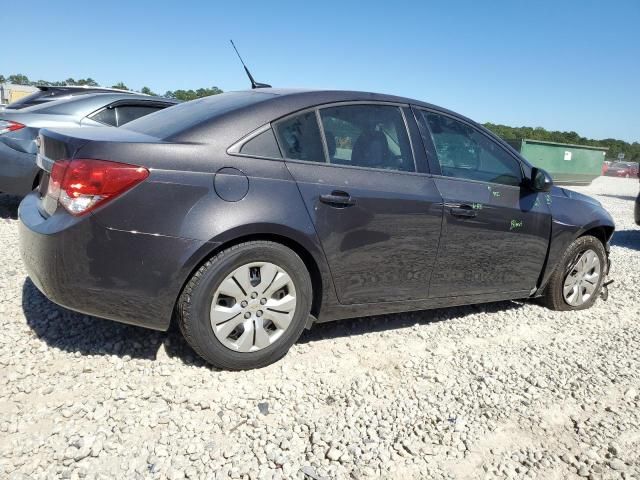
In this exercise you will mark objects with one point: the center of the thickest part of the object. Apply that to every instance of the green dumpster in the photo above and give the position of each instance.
(568, 164)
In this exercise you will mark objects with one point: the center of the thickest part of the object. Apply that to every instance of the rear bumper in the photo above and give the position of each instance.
(123, 276)
(18, 171)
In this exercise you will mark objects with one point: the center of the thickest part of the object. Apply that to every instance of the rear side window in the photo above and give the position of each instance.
(122, 114)
(372, 136)
(262, 145)
(106, 116)
(300, 138)
(128, 113)
(465, 152)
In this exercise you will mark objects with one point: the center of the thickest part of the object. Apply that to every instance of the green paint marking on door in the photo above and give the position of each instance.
(497, 194)
(516, 224)
(476, 206)
(536, 203)
(547, 198)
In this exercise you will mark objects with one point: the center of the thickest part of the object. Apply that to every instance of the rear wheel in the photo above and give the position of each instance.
(578, 279)
(246, 306)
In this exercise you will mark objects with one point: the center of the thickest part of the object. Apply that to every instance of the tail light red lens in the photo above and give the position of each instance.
(81, 185)
(7, 126)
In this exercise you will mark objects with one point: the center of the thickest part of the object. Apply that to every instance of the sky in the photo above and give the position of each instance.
(561, 64)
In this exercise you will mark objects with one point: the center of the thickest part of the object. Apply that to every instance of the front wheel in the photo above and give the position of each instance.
(246, 306)
(578, 279)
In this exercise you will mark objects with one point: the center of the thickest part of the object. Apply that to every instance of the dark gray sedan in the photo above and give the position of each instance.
(249, 216)
(19, 128)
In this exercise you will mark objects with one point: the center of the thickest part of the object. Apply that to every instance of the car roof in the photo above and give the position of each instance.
(79, 88)
(227, 114)
(300, 98)
(260, 106)
(329, 96)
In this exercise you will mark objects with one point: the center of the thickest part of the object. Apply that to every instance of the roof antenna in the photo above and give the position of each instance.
(254, 84)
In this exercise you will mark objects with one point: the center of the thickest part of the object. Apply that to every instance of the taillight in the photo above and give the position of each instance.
(9, 126)
(80, 185)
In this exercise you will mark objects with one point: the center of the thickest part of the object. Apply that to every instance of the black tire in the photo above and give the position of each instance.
(195, 302)
(553, 296)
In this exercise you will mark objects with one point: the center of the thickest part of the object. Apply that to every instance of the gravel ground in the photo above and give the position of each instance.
(501, 390)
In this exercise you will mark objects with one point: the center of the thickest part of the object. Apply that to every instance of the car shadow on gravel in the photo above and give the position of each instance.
(86, 335)
(619, 197)
(9, 206)
(397, 321)
(627, 239)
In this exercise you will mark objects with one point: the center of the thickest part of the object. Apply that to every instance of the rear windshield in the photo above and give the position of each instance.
(169, 122)
(47, 94)
(32, 99)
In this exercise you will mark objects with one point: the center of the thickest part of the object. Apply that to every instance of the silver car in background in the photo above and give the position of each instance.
(19, 129)
(46, 93)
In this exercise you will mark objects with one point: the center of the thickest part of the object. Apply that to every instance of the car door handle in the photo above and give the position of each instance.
(337, 198)
(465, 211)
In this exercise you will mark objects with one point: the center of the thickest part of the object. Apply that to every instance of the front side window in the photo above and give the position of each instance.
(464, 152)
(300, 138)
(372, 136)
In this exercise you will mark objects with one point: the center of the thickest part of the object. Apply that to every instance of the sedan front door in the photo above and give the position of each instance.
(495, 231)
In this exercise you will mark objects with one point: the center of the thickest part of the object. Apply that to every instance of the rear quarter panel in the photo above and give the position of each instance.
(179, 200)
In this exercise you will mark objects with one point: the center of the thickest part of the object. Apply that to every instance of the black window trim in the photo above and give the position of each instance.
(431, 151)
(316, 108)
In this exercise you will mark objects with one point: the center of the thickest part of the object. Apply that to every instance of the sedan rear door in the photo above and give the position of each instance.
(377, 217)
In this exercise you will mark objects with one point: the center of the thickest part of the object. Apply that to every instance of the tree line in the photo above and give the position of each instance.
(184, 95)
(615, 146)
(631, 150)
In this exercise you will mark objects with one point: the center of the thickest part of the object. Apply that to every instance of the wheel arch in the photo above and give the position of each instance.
(601, 232)
(314, 262)
(564, 235)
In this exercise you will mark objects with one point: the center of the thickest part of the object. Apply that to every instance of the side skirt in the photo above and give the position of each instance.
(339, 312)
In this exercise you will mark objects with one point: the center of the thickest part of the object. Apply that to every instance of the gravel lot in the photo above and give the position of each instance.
(500, 390)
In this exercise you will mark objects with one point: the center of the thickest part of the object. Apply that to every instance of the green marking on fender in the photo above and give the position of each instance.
(476, 206)
(516, 224)
(547, 197)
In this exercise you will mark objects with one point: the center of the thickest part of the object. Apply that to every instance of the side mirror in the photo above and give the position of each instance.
(540, 180)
